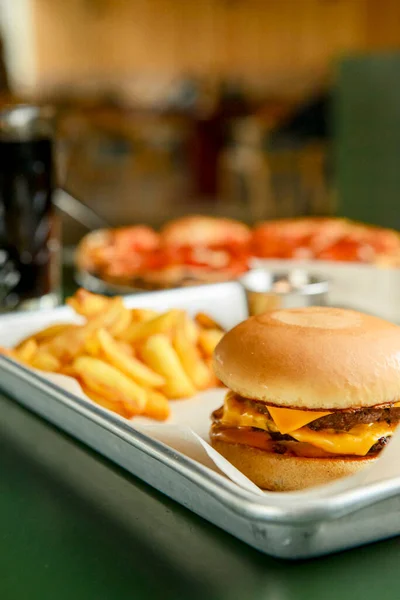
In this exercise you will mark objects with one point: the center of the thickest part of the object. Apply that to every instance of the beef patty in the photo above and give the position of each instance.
(339, 421)
(278, 438)
(342, 420)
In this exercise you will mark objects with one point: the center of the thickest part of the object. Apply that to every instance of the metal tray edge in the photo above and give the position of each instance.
(229, 494)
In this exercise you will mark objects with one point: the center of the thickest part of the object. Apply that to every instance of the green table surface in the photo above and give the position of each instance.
(74, 526)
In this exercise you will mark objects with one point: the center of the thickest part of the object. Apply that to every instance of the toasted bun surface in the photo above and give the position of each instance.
(312, 358)
(281, 473)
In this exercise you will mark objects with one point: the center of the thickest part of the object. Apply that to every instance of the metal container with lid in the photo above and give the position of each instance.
(287, 289)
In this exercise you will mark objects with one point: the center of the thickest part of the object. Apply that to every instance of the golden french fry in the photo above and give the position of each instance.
(191, 329)
(125, 347)
(129, 365)
(92, 345)
(71, 342)
(206, 322)
(67, 370)
(45, 362)
(49, 332)
(158, 353)
(127, 360)
(161, 324)
(87, 304)
(110, 383)
(53, 330)
(143, 314)
(190, 357)
(208, 339)
(67, 345)
(120, 326)
(27, 351)
(117, 407)
(157, 406)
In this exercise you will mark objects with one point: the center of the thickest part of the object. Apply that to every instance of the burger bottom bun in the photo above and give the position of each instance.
(280, 473)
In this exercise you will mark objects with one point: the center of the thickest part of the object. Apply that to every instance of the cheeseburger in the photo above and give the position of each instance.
(314, 395)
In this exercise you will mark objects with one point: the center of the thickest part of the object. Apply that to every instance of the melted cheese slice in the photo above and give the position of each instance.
(288, 419)
(357, 441)
(241, 414)
(238, 413)
(236, 416)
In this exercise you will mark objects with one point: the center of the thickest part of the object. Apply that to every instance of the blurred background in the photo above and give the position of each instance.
(252, 109)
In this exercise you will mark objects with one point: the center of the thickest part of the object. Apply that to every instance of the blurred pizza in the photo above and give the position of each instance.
(186, 251)
(330, 239)
(198, 249)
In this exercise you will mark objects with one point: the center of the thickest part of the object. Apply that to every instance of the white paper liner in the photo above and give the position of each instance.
(187, 429)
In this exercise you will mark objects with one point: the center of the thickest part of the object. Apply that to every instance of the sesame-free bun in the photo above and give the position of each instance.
(280, 473)
(312, 358)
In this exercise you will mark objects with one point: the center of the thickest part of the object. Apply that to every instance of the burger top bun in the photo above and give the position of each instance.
(312, 358)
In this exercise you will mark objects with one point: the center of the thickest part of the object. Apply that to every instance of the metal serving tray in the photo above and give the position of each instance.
(292, 529)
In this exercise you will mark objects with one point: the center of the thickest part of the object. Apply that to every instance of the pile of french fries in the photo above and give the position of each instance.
(131, 361)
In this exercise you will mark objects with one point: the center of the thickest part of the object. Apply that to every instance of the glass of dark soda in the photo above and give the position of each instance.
(29, 233)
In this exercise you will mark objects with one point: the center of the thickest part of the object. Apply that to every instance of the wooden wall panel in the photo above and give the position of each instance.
(383, 24)
(268, 39)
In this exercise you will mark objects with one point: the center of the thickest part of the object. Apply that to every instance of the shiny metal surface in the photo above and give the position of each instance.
(367, 288)
(99, 286)
(26, 122)
(288, 288)
(77, 210)
(289, 528)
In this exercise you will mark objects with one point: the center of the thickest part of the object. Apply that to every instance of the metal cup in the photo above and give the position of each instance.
(290, 289)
